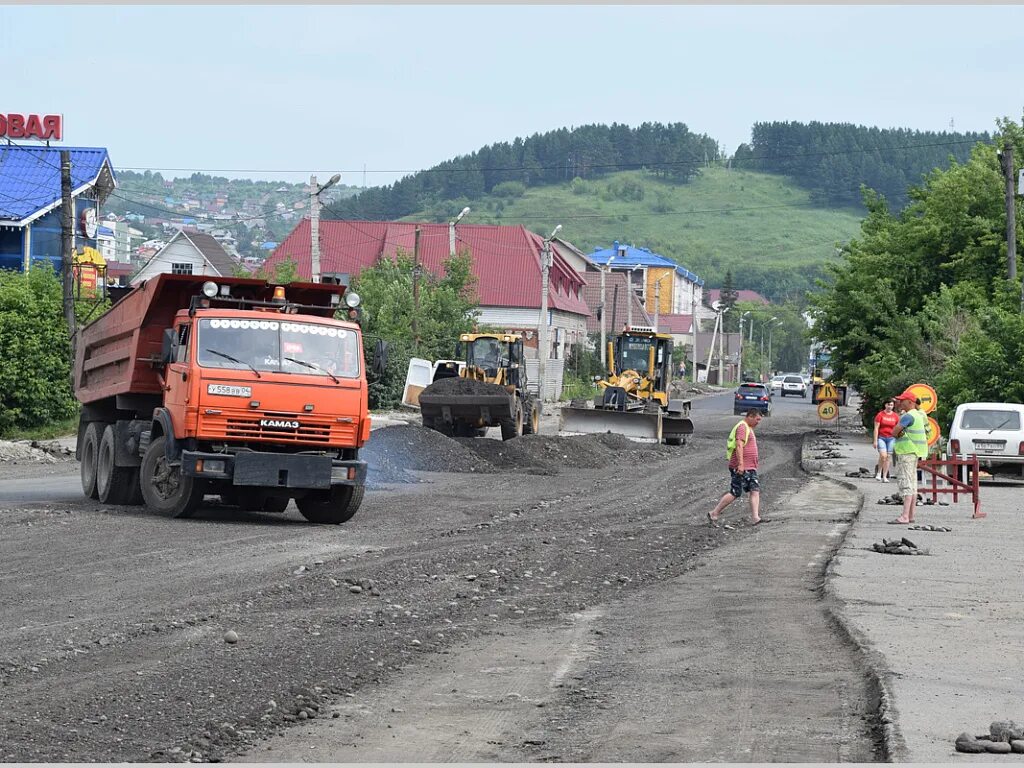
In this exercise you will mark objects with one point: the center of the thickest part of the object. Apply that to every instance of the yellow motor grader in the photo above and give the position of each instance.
(490, 391)
(634, 398)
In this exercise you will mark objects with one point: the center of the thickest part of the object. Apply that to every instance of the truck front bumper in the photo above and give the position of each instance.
(274, 470)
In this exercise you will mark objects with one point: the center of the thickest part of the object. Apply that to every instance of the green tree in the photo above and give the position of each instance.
(35, 361)
(447, 308)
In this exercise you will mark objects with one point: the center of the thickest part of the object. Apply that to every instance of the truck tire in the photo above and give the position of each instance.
(165, 489)
(114, 484)
(512, 428)
(90, 448)
(334, 507)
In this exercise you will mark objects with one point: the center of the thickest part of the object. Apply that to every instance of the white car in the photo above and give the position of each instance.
(794, 385)
(994, 432)
(776, 381)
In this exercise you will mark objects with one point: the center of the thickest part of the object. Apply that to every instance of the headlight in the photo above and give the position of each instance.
(210, 289)
(352, 298)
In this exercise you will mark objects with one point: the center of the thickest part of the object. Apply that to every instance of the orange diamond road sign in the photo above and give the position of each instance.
(827, 410)
(932, 431)
(828, 392)
(926, 395)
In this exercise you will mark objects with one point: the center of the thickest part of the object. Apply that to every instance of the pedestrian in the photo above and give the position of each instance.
(911, 445)
(883, 440)
(741, 449)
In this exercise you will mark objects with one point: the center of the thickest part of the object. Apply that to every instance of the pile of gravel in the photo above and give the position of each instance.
(29, 451)
(457, 385)
(393, 452)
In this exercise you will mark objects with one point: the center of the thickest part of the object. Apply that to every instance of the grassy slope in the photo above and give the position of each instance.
(722, 220)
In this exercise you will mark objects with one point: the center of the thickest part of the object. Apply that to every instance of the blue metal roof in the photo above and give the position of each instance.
(645, 257)
(30, 177)
(105, 231)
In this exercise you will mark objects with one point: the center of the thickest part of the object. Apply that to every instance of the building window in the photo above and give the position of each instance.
(181, 269)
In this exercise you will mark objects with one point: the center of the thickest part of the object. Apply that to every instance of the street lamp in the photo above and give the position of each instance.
(604, 314)
(771, 329)
(630, 295)
(451, 230)
(314, 223)
(542, 321)
(739, 364)
(763, 367)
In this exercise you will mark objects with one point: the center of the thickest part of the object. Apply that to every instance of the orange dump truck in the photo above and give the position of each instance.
(231, 387)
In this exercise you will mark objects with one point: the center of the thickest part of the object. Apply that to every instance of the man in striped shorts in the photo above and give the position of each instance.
(742, 453)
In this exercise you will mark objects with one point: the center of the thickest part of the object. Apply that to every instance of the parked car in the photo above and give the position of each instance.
(752, 395)
(776, 381)
(994, 432)
(794, 385)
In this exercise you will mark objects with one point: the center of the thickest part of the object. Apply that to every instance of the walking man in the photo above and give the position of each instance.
(911, 445)
(741, 449)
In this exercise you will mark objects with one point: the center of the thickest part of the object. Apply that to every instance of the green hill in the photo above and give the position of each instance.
(762, 227)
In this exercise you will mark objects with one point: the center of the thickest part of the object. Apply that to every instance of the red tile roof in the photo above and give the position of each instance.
(713, 294)
(613, 301)
(506, 259)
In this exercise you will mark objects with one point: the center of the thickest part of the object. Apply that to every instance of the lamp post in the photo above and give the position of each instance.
(314, 223)
(739, 363)
(542, 321)
(771, 329)
(630, 295)
(721, 335)
(604, 314)
(451, 230)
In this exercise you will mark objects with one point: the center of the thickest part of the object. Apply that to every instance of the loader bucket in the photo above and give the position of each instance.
(463, 401)
(636, 425)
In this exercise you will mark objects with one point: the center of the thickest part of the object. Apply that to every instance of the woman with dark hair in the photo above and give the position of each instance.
(883, 439)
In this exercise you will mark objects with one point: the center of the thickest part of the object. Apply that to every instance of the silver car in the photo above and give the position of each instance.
(794, 385)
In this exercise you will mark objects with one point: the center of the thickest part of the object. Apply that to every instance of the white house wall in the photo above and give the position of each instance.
(568, 328)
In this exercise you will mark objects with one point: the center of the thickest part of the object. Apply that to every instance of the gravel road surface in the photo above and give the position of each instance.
(545, 599)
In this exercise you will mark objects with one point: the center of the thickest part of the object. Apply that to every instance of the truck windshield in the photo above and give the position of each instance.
(278, 346)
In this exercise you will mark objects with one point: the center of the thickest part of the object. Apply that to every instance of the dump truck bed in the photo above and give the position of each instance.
(115, 352)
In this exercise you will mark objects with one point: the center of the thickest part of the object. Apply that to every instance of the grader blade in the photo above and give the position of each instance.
(636, 425)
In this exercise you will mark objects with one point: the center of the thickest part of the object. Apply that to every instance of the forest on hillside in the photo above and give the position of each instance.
(833, 160)
(586, 152)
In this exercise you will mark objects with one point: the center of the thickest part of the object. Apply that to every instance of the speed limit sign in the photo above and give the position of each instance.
(827, 410)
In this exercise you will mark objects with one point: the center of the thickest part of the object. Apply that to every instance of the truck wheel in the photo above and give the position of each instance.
(90, 447)
(114, 484)
(512, 428)
(165, 489)
(334, 506)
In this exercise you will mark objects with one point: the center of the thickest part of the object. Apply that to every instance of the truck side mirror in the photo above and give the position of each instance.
(380, 358)
(167, 349)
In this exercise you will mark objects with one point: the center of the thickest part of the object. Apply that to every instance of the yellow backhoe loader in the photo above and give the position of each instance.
(490, 391)
(634, 399)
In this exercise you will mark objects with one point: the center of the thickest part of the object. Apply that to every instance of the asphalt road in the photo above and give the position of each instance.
(580, 613)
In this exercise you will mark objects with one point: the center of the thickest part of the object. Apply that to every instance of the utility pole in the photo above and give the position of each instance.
(657, 303)
(451, 231)
(604, 314)
(314, 230)
(693, 327)
(721, 359)
(739, 362)
(67, 247)
(1008, 174)
(542, 320)
(314, 223)
(711, 346)
(416, 271)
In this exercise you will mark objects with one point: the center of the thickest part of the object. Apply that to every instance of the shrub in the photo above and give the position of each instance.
(35, 364)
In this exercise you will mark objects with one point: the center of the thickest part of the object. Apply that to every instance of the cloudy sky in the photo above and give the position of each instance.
(281, 92)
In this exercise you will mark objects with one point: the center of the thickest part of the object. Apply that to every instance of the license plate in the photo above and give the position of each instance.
(986, 449)
(230, 390)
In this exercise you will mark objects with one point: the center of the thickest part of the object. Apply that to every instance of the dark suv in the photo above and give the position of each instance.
(751, 395)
